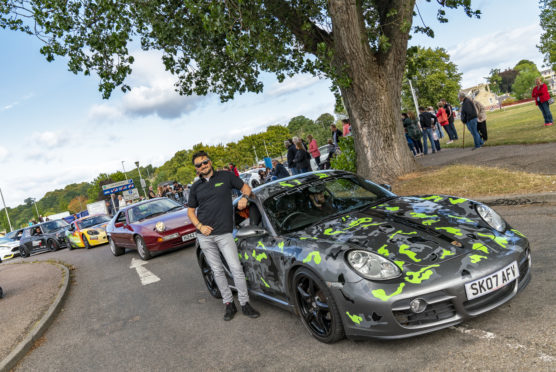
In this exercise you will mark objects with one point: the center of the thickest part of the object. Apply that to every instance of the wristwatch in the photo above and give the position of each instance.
(245, 196)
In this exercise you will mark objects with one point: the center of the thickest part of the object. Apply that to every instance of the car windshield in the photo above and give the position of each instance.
(151, 209)
(53, 226)
(310, 203)
(4, 240)
(92, 221)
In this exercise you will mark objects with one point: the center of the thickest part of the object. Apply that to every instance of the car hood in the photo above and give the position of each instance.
(416, 230)
(9, 245)
(100, 226)
(172, 220)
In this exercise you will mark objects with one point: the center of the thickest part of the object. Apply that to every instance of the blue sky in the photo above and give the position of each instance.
(56, 129)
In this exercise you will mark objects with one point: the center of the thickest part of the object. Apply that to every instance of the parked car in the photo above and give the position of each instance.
(352, 258)
(251, 177)
(87, 232)
(150, 226)
(323, 157)
(49, 235)
(9, 245)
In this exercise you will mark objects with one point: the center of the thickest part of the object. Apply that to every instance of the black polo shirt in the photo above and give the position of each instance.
(213, 200)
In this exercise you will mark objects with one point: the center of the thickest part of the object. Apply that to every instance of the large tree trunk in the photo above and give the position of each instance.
(372, 98)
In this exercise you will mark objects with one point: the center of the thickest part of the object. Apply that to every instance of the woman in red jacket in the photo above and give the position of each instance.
(541, 96)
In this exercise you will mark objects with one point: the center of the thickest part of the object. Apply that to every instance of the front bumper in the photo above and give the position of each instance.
(157, 244)
(367, 317)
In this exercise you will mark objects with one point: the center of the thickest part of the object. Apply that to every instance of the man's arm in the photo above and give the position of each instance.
(204, 229)
(246, 192)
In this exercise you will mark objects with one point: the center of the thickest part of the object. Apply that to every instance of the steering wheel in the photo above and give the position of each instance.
(290, 216)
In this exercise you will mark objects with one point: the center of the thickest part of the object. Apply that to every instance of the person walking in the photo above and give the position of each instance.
(541, 96)
(451, 116)
(426, 119)
(314, 149)
(336, 134)
(302, 159)
(442, 117)
(481, 120)
(210, 210)
(469, 118)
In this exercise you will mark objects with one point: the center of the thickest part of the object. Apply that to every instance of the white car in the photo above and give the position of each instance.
(251, 177)
(323, 156)
(9, 248)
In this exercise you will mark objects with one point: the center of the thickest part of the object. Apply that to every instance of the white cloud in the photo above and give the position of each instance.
(104, 112)
(3, 153)
(49, 139)
(477, 56)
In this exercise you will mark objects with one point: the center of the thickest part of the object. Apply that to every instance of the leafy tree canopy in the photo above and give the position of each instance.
(548, 37)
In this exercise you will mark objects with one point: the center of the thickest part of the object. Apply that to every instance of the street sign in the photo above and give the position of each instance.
(115, 187)
(131, 194)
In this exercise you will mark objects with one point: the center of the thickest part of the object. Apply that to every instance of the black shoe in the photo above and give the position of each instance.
(231, 310)
(249, 311)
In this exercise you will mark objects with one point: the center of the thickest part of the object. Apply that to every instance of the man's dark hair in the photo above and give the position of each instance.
(198, 154)
(332, 125)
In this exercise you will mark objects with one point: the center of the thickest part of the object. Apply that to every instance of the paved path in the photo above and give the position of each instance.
(539, 158)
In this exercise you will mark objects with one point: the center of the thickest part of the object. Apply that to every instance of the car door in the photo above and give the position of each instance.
(73, 234)
(34, 239)
(262, 256)
(123, 233)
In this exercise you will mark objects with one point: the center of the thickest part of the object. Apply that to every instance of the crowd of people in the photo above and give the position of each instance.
(428, 126)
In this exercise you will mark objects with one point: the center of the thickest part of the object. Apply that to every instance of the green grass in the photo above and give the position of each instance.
(521, 124)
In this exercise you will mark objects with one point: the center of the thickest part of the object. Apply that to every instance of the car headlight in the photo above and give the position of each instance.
(160, 226)
(492, 218)
(372, 266)
(92, 232)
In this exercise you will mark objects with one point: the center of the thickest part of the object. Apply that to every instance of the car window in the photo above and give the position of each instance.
(309, 203)
(92, 221)
(51, 226)
(250, 216)
(26, 233)
(151, 209)
(121, 217)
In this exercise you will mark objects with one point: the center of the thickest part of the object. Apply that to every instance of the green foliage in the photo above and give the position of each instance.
(548, 37)
(433, 77)
(346, 160)
(524, 83)
(494, 80)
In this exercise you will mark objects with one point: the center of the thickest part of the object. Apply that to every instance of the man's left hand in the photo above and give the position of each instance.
(242, 203)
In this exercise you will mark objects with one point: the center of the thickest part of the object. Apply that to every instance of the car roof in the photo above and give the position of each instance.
(90, 216)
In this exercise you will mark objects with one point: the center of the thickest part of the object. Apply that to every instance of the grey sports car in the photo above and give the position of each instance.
(353, 259)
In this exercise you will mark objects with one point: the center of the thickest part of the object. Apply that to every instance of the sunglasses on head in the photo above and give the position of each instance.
(204, 162)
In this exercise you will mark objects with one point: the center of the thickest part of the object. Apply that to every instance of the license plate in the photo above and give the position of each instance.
(187, 237)
(492, 282)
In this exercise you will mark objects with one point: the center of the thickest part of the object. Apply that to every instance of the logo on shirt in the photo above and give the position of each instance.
(218, 184)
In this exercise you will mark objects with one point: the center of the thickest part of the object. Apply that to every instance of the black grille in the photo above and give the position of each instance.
(433, 313)
(523, 268)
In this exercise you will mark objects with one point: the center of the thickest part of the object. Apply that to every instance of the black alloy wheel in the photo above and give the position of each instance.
(23, 252)
(116, 251)
(52, 245)
(208, 277)
(85, 242)
(317, 308)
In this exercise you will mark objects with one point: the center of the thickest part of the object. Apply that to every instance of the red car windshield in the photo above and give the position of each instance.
(152, 209)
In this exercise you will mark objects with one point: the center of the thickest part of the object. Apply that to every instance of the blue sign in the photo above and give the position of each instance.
(117, 187)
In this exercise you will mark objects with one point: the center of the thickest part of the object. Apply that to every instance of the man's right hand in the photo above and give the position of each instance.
(206, 230)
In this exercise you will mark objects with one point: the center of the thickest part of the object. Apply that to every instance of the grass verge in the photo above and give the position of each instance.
(472, 181)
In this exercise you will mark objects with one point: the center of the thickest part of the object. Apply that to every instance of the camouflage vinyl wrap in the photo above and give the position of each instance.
(438, 242)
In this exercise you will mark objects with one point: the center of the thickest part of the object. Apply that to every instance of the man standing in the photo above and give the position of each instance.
(211, 196)
(336, 134)
(469, 118)
(427, 120)
(292, 150)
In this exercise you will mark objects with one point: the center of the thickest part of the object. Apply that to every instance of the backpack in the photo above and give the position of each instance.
(413, 130)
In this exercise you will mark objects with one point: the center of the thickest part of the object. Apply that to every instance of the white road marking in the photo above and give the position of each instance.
(484, 335)
(145, 275)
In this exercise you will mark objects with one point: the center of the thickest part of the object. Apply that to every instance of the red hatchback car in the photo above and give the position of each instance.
(150, 226)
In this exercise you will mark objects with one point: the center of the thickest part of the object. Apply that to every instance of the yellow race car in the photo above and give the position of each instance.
(87, 232)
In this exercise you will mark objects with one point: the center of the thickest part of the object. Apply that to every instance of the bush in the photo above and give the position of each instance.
(346, 160)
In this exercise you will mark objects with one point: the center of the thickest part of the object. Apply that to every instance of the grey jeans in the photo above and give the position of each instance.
(211, 246)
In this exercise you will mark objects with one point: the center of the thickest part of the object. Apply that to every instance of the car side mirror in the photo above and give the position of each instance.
(386, 186)
(250, 231)
(119, 224)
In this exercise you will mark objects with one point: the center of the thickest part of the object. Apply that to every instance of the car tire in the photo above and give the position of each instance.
(116, 251)
(23, 252)
(208, 277)
(52, 246)
(142, 248)
(1, 292)
(316, 307)
(86, 242)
